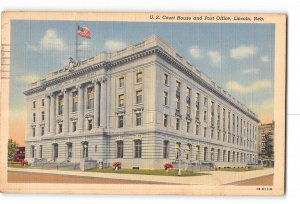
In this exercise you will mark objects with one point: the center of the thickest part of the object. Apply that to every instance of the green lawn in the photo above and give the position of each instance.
(17, 165)
(160, 172)
(238, 169)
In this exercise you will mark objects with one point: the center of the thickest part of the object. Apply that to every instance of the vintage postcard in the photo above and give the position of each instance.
(143, 103)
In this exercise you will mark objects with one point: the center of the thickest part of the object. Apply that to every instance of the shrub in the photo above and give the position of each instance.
(168, 166)
(117, 165)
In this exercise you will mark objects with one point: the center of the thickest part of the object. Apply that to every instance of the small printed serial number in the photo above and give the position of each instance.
(264, 189)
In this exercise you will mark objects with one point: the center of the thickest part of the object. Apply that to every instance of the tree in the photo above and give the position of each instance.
(12, 148)
(268, 150)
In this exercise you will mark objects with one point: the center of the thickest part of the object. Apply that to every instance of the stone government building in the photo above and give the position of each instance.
(143, 106)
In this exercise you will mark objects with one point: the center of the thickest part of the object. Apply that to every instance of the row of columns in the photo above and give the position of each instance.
(99, 107)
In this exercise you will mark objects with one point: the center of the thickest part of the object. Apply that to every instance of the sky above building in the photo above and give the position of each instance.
(239, 57)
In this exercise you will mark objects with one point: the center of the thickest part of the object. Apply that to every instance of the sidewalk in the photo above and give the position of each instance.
(215, 177)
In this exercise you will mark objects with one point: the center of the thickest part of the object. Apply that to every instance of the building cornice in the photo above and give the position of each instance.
(156, 49)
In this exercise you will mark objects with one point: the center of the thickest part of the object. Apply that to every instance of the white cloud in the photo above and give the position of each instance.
(113, 45)
(50, 41)
(250, 71)
(196, 52)
(29, 78)
(84, 45)
(243, 51)
(253, 87)
(215, 58)
(265, 59)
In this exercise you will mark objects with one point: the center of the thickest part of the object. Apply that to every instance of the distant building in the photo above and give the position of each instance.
(144, 106)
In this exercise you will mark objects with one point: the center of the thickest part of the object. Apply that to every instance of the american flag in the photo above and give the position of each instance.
(83, 32)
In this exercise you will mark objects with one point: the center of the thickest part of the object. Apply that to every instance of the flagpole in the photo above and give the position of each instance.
(76, 42)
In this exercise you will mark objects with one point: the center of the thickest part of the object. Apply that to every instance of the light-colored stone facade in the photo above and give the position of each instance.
(77, 112)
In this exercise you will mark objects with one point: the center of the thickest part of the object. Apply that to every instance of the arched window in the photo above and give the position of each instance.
(137, 148)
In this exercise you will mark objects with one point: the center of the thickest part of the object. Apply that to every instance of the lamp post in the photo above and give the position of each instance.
(179, 166)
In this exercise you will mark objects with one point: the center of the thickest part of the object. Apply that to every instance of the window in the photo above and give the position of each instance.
(166, 79)
(212, 133)
(197, 152)
(177, 123)
(85, 148)
(43, 115)
(205, 153)
(165, 120)
(90, 97)
(205, 101)
(228, 156)
(197, 98)
(197, 129)
(121, 82)
(138, 119)
(139, 97)
(218, 137)
(224, 136)
(139, 77)
(204, 131)
(224, 155)
(188, 109)
(69, 150)
(60, 104)
(120, 149)
(137, 149)
(41, 151)
(121, 100)
(205, 116)
(43, 102)
(219, 155)
(74, 101)
(212, 154)
(188, 92)
(177, 104)
(165, 98)
(33, 104)
(55, 151)
(32, 151)
(187, 151)
(90, 124)
(166, 149)
(233, 156)
(178, 86)
(74, 126)
(177, 149)
(120, 121)
(60, 128)
(33, 132)
(188, 126)
(42, 131)
(33, 117)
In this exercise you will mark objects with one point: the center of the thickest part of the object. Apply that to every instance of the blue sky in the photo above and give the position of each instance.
(239, 57)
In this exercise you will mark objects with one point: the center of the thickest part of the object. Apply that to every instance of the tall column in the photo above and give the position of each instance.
(47, 115)
(103, 103)
(53, 114)
(96, 104)
(80, 108)
(66, 111)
